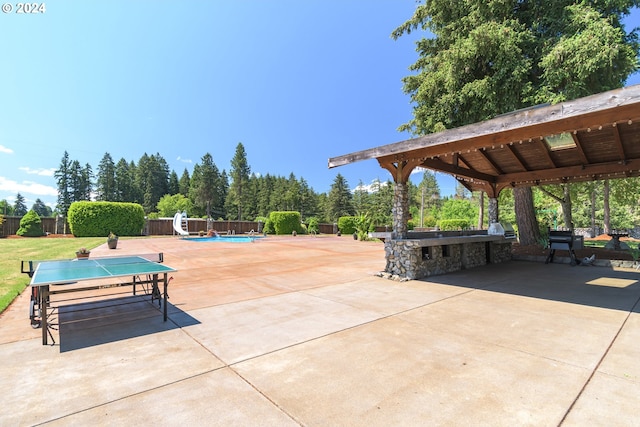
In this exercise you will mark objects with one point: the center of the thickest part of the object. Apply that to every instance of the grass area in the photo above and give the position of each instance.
(595, 243)
(634, 250)
(12, 281)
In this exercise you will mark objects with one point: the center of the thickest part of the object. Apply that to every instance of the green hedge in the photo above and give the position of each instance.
(453, 224)
(30, 225)
(94, 219)
(285, 222)
(347, 224)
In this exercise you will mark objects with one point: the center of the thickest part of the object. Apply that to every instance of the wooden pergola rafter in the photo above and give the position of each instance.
(511, 150)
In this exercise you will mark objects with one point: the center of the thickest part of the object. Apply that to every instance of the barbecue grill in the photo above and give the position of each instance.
(562, 240)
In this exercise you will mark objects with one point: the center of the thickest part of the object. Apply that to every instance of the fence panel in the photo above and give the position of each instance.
(161, 226)
(50, 225)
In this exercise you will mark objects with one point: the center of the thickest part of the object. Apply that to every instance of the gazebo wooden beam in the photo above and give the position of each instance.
(511, 150)
(467, 173)
(578, 143)
(578, 173)
(400, 169)
(618, 143)
(605, 109)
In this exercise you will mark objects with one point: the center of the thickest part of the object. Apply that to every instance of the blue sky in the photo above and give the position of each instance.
(295, 81)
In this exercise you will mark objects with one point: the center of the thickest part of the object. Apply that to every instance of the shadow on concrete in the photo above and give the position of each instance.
(91, 324)
(601, 287)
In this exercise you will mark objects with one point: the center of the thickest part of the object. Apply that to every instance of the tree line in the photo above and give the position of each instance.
(208, 191)
(242, 195)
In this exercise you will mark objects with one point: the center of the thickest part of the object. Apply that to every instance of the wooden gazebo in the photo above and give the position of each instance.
(591, 138)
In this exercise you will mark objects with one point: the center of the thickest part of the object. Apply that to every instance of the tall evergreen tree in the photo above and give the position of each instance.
(106, 188)
(308, 200)
(41, 209)
(76, 182)
(265, 188)
(86, 180)
(174, 186)
(124, 179)
(204, 191)
(152, 179)
(339, 200)
(63, 181)
(222, 191)
(360, 199)
(492, 56)
(240, 172)
(184, 182)
(19, 206)
(292, 194)
(381, 202)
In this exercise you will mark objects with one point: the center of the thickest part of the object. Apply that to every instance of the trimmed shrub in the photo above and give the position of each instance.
(30, 225)
(430, 221)
(94, 219)
(285, 222)
(313, 225)
(2, 220)
(453, 224)
(347, 224)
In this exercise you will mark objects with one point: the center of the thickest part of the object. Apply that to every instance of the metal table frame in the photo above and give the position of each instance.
(154, 277)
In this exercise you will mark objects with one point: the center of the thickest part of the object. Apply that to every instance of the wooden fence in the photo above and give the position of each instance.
(160, 227)
(164, 226)
(49, 225)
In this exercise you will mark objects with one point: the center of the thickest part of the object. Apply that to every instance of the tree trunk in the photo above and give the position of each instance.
(607, 212)
(593, 213)
(528, 229)
(566, 207)
(481, 211)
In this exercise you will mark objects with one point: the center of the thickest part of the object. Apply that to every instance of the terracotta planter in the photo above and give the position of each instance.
(82, 255)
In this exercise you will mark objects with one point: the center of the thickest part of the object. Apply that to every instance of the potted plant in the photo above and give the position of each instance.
(112, 241)
(82, 253)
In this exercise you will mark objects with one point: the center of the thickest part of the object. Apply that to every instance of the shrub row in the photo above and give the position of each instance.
(94, 219)
(284, 223)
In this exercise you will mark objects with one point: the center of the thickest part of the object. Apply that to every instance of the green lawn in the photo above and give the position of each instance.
(596, 243)
(12, 251)
(635, 251)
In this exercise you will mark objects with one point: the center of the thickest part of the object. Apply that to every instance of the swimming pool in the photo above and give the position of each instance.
(235, 239)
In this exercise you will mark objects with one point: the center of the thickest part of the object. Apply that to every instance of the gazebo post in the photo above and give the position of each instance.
(400, 211)
(493, 210)
(401, 171)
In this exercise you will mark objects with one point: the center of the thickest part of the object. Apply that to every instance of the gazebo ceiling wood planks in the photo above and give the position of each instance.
(510, 150)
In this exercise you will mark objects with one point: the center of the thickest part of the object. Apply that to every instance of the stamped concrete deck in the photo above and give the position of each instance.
(299, 331)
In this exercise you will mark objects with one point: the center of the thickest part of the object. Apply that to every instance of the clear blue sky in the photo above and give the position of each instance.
(295, 81)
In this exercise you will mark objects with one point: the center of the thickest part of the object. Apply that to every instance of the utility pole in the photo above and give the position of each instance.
(422, 209)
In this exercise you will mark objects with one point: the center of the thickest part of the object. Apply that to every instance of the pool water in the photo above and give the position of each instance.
(238, 239)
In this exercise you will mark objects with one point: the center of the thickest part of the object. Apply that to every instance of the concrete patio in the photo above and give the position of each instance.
(300, 331)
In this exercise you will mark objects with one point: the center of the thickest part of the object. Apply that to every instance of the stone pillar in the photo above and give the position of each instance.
(400, 210)
(493, 210)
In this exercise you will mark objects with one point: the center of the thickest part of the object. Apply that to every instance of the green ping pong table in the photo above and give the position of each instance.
(62, 276)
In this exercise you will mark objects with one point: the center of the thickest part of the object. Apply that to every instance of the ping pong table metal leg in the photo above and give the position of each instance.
(155, 289)
(44, 309)
(166, 286)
